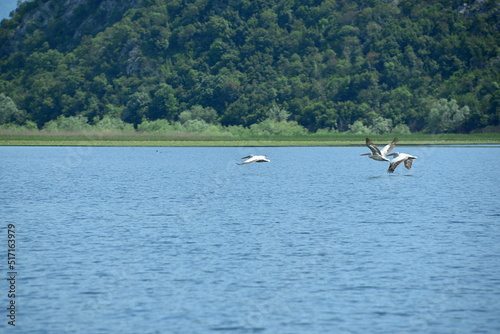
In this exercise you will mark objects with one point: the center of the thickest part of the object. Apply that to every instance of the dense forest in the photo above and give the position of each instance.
(364, 66)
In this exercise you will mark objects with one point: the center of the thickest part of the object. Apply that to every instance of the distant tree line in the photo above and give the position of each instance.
(274, 66)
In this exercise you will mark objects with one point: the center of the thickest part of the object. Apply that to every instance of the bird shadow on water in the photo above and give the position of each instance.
(378, 177)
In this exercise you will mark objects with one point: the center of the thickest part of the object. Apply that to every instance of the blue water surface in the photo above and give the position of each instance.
(319, 240)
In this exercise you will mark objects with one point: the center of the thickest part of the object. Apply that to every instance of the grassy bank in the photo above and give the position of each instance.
(185, 139)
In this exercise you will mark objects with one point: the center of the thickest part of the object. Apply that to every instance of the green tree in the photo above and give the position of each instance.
(164, 103)
(197, 112)
(359, 128)
(277, 113)
(401, 129)
(446, 116)
(8, 110)
(328, 63)
(380, 125)
(137, 107)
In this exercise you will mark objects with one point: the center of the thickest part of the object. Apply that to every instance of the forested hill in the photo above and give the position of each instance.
(327, 64)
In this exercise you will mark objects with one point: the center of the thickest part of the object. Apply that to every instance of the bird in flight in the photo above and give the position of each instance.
(399, 158)
(379, 155)
(254, 158)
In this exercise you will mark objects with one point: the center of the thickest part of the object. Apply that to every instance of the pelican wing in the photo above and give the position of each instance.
(394, 163)
(372, 147)
(388, 148)
(408, 163)
(249, 160)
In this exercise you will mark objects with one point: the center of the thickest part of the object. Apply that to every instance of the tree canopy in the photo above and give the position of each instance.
(334, 65)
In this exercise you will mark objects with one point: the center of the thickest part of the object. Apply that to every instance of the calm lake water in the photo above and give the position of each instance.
(319, 240)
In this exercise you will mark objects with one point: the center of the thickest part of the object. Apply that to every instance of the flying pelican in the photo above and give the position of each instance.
(379, 155)
(254, 158)
(399, 158)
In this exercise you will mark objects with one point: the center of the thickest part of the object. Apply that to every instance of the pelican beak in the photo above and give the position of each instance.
(365, 154)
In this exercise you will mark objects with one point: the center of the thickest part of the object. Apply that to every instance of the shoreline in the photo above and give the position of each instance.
(200, 140)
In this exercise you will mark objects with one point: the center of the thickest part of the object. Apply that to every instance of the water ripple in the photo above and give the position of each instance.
(314, 246)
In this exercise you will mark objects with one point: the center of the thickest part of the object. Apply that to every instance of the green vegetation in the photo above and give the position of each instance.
(241, 68)
(35, 138)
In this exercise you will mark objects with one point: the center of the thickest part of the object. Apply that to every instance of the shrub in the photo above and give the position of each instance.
(401, 129)
(359, 128)
(199, 126)
(270, 127)
(160, 125)
(14, 127)
(113, 125)
(326, 130)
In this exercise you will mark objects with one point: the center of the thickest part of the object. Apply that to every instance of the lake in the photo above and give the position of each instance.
(319, 240)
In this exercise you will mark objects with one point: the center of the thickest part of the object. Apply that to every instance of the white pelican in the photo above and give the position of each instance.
(379, 155)
(254, 158)
(399, 158)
